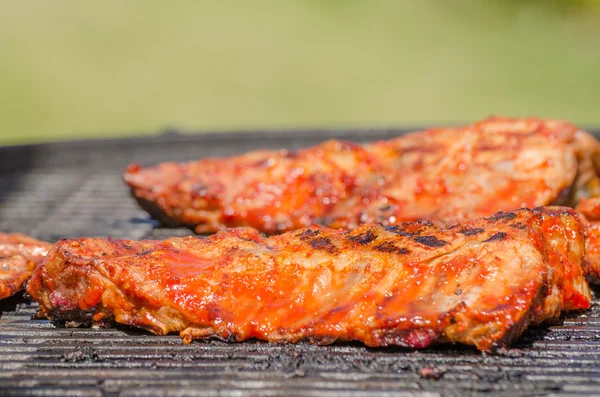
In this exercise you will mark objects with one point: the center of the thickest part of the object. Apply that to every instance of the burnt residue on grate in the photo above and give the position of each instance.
(73, 189)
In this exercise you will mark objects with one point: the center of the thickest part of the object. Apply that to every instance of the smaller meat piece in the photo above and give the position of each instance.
(19, 255)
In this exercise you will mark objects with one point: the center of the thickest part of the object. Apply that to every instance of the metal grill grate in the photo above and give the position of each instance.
(74, 189)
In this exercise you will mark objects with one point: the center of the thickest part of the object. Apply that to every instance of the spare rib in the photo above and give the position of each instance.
(478, 283)
(442, 175)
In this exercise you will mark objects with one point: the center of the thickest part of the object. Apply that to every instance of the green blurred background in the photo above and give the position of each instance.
(73, 69)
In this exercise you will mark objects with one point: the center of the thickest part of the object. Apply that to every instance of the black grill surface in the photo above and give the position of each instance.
(74, 189)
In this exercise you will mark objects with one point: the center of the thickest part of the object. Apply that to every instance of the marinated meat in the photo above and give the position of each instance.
(442, 175)
(478, 283)
(19, 255)
(590, 208)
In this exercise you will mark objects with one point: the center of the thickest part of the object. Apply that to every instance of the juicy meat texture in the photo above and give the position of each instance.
(590, 208)
(442, 175)
(478, 283)
(19, 255)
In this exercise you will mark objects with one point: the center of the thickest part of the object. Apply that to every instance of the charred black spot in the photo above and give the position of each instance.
(458, 292)
(430, 241)
(385, 208)
(495, 237)
(502, 215)
(323, 243)
(146, 252)
(363, 238)
(397, 230)
(470, 231)
(127, 246)
(308, 234)
(518, 225)
(388, 246)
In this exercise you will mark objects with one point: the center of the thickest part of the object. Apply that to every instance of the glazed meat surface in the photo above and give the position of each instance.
(444, 175)
(19, 255)
(590, 208)
(479, 283)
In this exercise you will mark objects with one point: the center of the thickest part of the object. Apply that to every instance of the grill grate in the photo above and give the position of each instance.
(74, 189)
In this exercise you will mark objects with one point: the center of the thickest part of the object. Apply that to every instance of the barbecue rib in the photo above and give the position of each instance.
(479, 283)
(445, 175)
(590, 208)
(19, 255)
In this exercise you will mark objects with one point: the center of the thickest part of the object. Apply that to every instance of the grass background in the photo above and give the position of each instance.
(73, 69)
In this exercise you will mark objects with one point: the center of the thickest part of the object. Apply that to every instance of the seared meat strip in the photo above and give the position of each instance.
(19, 255)
(479, 283)
(444, 175)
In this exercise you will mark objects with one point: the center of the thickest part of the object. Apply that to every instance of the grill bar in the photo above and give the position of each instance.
(72, 189)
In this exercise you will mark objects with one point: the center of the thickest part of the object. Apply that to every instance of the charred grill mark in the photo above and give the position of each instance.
(363, 238)
(388, 246)
(495, 237)
(518, 225)
(323, 243)
(397, 230)
(470, 231)
(502, 215)
(308, 234)
(430, 241)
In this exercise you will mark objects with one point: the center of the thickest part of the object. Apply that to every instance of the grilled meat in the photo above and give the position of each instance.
(479, 283)
(19, 255)
(444, 175)
(590, 208)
